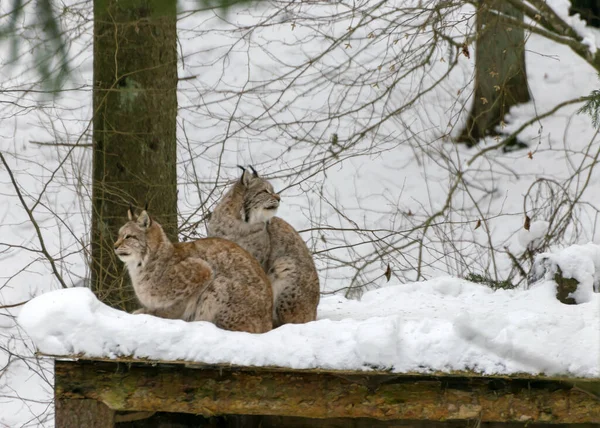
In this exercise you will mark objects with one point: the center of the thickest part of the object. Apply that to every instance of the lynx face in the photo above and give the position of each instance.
(260, 201)
(131, 246)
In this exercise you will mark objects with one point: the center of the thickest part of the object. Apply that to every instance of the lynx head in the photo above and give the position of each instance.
(137, 237)
(260, 200)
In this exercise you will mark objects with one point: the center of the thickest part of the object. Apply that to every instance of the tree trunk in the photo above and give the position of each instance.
(500, 76)
(135, 108)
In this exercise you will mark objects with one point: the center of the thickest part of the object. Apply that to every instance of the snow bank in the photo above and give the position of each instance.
(580, 262)
(444, 324)
(561, 7)
(533, 237)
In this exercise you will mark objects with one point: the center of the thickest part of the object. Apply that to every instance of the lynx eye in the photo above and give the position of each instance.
(130, 237)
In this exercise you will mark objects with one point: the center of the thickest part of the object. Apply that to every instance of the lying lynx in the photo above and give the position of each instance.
(246, 215)
(205, 280)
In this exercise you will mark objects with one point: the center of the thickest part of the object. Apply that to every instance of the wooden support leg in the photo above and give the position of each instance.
(83, 413)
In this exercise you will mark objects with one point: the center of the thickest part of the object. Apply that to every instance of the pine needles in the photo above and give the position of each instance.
(592, 107)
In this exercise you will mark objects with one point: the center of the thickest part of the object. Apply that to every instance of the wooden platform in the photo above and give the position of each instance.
(104, 387)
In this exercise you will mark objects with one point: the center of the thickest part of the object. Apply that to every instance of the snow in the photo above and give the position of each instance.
(531, 238)
(580, 262)
(445, 324)
(561, 7)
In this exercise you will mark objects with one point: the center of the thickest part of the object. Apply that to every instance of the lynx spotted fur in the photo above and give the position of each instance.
(209, 279)
(246, 215)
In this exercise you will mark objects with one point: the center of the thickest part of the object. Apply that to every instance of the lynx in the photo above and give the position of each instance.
(242, 215)
(210, 279)
(246, 215)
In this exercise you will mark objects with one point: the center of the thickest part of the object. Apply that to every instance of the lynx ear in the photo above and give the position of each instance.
(144, 219)
(253, 170)
(246, 177)
(130, 214)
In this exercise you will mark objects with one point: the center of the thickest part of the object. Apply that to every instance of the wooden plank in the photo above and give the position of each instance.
(369, 373)
(175, 388)
(83, 413)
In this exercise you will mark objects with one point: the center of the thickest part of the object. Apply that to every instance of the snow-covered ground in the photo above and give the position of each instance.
(363, 208)
(445, 324)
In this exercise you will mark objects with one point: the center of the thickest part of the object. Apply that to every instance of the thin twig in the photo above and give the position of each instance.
(34, 222)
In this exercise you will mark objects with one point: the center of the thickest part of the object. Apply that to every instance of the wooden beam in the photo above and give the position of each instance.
(268, 369)
(176, 388)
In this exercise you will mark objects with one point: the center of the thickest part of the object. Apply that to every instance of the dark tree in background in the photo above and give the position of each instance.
(588, 9)
(135, 109)
(500, 75)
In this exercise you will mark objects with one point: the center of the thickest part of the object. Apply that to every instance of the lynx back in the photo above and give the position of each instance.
(293, 276)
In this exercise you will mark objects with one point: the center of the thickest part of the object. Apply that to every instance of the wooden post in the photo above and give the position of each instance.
(83, 413)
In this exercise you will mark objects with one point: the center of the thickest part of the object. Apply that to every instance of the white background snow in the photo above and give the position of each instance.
(396, 178)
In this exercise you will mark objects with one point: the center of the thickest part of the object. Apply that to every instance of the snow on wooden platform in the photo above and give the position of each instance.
(442, 325)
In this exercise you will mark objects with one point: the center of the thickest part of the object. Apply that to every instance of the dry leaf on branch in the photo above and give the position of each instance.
(465, 51)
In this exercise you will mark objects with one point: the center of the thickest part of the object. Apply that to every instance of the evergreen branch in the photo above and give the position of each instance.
(592, 107)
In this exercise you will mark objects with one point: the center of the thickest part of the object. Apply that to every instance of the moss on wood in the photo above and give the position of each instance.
(565, 287)
(208, 392)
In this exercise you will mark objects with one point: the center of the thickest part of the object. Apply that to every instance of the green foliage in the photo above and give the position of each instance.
(493, 284)
(592, 108)
(51, 56)
(8, 29)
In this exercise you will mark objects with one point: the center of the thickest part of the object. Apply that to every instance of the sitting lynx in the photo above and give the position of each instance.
(205, 280)
(242, 215)
(246, 215)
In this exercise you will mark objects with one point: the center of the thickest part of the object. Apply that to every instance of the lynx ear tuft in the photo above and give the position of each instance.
(242, 178)
(144, 219)
(253, 170)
